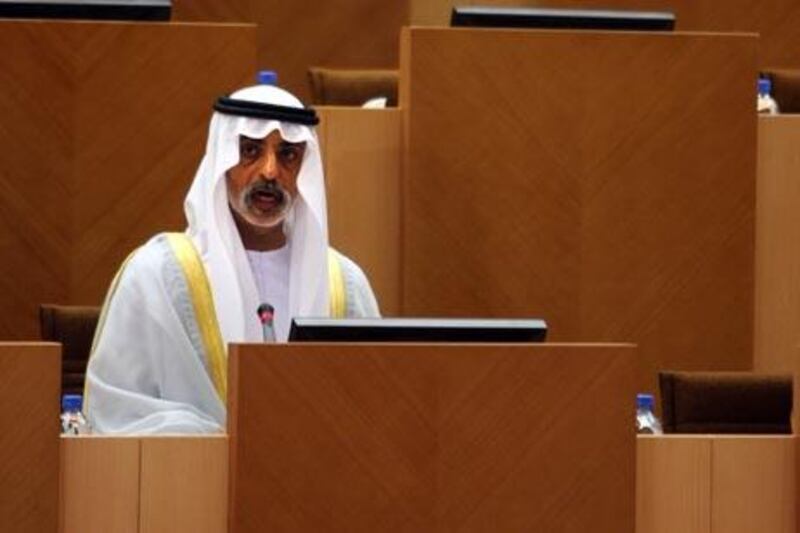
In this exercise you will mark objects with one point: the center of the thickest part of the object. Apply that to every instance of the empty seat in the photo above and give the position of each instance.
(352, 87)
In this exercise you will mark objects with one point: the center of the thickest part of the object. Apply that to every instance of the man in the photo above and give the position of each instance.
(256, 241)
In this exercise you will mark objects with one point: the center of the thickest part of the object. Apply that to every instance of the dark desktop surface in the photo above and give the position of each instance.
(418, 330)
(549, 18)
(147, 10)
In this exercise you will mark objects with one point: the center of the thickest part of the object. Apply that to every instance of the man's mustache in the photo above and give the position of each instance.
(271, 187)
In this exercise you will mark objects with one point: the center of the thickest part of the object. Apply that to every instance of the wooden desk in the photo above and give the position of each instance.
(144, 484)
(777, 287)
(122, 111)
(715, 484)
(30, 381)
(362, 152)
(602, 180)
(685, 484)
(431, 437)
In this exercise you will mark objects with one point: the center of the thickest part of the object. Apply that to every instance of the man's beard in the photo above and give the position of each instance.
(276, 213)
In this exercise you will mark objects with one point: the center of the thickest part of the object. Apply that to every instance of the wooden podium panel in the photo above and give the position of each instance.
(29, 394)
(673, 484)
(362, 154)
(103, 127)
(753, 484)
(431, 438)
(144, 484)
(716, 483)
(777, 256)
(602, 181)
(99, 479)
(775, 21)
(184, 484)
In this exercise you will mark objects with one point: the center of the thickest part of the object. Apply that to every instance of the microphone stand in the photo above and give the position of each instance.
(266, 315)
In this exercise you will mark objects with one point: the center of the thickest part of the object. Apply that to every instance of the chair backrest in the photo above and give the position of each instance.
(352, 87)
(725, 402)
(73, 326)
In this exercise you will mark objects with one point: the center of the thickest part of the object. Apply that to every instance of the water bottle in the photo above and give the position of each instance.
(646, 421)
(267, 77)
(72, 420)
(765, 103)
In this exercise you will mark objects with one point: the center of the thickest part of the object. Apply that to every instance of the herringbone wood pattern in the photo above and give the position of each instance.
(104, 126)
(600, 181)
(363, 33)
(293, 36)
(776, 21)
(29, 443)
(431, 438)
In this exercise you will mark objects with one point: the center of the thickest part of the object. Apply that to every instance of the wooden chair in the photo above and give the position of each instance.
(73, 327)
(352, 87)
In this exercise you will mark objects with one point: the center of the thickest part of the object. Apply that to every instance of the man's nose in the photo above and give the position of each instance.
(269, 167)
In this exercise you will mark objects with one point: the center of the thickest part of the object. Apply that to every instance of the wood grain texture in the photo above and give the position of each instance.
(293, 36)
(673, 484)
(99, 485)
(776, 21)
(753, 484)
(777, 288)
(184, 484)
(716, 483)
(600, 181)
(363, 33)
(361, 152)
(29, 453)
(431, 438)
(123, 111)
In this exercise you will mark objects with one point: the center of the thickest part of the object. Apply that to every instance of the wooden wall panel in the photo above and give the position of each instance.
(35, 214)
(777, 289)
(431, 438)
(99, 485)
(31, 383)
(777, 21)
(361, 151)
(105, 124)
(184, 484)
(293, 36)
(600, 181)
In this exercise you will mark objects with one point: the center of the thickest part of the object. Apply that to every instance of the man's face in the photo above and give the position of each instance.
(263, 185)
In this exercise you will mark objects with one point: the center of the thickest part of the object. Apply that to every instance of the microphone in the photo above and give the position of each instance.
(266, 314)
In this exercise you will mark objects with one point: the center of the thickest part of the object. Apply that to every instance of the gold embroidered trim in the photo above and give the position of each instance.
(338, 305)
(203, 303)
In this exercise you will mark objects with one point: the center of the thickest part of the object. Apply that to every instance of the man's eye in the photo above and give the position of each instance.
(249, 150)
(289, 154)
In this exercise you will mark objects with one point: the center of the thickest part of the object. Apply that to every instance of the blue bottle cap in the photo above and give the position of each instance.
(764, 86)
(71, 402)
(645, 401)
(267, 77)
